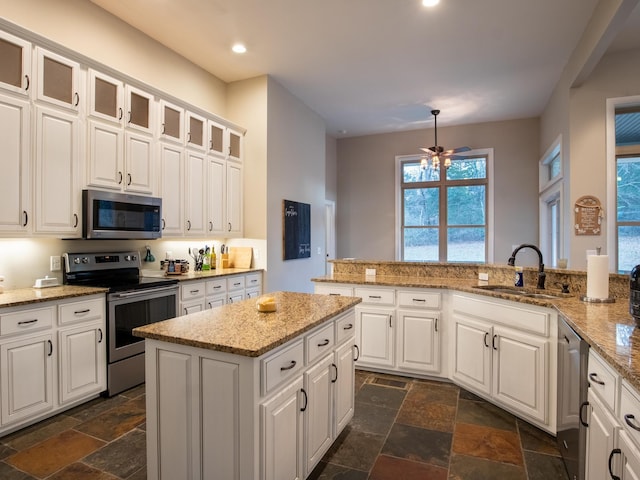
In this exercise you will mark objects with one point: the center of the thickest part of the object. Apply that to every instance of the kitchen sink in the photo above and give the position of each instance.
(516, 291)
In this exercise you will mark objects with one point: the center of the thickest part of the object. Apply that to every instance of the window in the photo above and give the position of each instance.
(550, 195)
(627, 187)
(443, 212)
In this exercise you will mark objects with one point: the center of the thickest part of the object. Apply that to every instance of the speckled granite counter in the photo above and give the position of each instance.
(202, 275)
(240, 329)
(608, 327)
(25, 296)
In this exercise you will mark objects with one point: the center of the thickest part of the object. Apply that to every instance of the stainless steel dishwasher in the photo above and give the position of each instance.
(572, 398)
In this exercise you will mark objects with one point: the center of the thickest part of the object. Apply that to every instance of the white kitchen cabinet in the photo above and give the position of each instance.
(139, 110)
(216, 195)
(195, 128)
(281, 421)
(217, 139)
(171, 122)
(15, 57)
(235, 145)
(15, 144)
(83, 361)
(418, 341)
(195, 194)
(119, 158)
(375, 336)
(344, 383)
(58, 80)
(172, 189)
(57, 162)
(234, 200)
(514, 368)
(601, 435)
(192, 297)
(26, 371)
(629, 457)
(319, 415)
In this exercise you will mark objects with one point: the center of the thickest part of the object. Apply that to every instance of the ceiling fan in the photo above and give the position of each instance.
(436, 152)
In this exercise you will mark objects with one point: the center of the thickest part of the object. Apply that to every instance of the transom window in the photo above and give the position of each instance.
(444, 210)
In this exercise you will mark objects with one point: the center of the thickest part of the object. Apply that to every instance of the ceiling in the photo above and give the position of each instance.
(372, 66)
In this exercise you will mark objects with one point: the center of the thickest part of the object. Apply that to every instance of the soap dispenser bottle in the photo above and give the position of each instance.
(519, 277)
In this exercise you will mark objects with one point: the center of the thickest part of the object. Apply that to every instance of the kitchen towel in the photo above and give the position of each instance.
(598, 276)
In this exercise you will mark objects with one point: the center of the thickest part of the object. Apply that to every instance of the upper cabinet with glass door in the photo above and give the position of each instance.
(15, 58)
(224, 142)
(106, 97)
(196, 131)
(138, 109)
(235, 145)
(171, 122)
(58, 80)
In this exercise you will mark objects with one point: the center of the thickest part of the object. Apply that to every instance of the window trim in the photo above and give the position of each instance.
(611, 185)
(490, 225)
(548, 191)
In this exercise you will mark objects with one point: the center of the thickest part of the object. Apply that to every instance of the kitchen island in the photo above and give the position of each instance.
(233, 393)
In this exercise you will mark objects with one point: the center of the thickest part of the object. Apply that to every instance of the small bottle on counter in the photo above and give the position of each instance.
(212, 260)
(519, 277)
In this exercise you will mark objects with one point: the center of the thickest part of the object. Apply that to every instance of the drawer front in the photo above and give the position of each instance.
(603, 380)
(253, 280)
(320, 342)
(629, 415)
(216, 287)
(235, 283)
(282, 365)
(419, 299)
(27, 320)
(337, 290)
(376, 296)
(81, 311)
(345, 327)
(192, 290)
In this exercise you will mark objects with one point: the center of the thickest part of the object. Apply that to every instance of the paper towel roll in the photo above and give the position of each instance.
(598, 276)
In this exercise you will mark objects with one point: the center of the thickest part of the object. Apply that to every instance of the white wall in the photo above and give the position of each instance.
(295, 171)
(366, 184)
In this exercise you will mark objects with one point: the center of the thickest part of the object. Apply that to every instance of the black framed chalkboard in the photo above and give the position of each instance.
(296, 219)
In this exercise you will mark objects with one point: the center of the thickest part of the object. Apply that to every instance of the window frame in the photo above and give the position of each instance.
(489, 215)
(551, 192)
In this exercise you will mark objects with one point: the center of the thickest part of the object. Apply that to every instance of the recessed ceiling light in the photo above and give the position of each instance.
(430, 3)
(239, 48)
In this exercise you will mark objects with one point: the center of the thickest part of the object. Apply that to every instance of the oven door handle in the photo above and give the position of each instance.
(144, 291)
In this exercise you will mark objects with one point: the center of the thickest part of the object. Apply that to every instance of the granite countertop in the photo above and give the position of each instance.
(202, 275)
(240, 329)
(26, 296)
(608, 328)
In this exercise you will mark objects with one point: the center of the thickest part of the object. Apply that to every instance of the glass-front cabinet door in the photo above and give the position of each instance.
(15, 59)
(217, 144)
(195, 127)
(138, 109)
(106, 97)
(171, 123)
(58, 80)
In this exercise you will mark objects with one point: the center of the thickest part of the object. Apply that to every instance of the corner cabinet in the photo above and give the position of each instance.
(219, 415)
(506, 352)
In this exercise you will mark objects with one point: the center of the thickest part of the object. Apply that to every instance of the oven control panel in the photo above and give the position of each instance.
(82, 262)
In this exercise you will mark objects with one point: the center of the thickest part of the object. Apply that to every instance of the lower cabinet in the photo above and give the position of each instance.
(374, 327)
(513, 366)
(418, 341)
(601, 435)
(51, 358)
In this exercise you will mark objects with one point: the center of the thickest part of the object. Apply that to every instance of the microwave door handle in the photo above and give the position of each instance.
(145, 291)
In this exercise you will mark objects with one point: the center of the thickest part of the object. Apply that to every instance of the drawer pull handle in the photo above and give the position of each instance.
(348, 326)
(336, 369)
(306, 399)
(584, 404)
(291, 365)
(419, 300)
(193, 292)
(237, 284)
(217, 287)
(357, 353)
(377, 297)
(82, 312)
(334, 294)
(628, 419)
(27, 322)
(324, 343)
(615, 451)
(594, 378)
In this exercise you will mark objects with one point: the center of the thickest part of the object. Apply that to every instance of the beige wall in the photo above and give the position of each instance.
(81, 26)
(366, 184)
(295, 171)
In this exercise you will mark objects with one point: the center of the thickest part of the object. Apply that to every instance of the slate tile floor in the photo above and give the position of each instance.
(403, 429)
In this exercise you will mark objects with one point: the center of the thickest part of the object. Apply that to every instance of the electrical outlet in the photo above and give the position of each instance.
(55, 263)
(483, 276)
(369, 271)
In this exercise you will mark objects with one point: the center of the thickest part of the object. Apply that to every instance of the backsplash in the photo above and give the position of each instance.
(498, 274)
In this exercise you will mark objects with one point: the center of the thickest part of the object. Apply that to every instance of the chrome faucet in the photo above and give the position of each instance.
(541, 275)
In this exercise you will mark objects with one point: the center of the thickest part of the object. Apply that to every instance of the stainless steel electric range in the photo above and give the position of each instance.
(132, 301)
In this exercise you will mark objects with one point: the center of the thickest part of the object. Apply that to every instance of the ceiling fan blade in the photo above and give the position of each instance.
(430, 150)
(458, 157)
(459, 150)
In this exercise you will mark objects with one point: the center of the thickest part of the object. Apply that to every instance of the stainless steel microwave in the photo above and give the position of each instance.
(108, 215)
